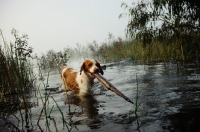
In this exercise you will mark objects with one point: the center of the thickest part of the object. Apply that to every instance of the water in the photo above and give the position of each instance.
(169, 98)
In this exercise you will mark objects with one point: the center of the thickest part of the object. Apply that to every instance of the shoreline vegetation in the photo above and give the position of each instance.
(18, 85)
(16, 81)
(118, 49)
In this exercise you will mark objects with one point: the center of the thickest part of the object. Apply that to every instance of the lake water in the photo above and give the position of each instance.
(168, 98)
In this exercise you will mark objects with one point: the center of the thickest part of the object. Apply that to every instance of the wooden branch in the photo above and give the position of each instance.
(109, 86)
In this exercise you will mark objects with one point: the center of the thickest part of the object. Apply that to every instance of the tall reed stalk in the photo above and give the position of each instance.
(47, 112)
(17, 83)
(16, 77)
(137, 104)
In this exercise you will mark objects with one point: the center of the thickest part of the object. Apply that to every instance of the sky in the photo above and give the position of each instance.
(58, 24)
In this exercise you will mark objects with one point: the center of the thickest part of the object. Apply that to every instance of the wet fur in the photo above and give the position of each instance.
(80, 83)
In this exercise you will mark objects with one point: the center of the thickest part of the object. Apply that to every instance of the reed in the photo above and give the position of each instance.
(44, 107)
(155, 51)
(16, 77)
(137, 103)
(17, 84)
(47, 61)
(47, 112)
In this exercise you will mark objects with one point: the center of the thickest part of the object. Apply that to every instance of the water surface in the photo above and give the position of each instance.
(169, 100)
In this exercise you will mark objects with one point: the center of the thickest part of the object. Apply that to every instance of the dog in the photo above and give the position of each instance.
(80, 83)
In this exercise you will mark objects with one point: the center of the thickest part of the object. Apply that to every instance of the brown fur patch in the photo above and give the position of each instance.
(86, 65)
(70, 78)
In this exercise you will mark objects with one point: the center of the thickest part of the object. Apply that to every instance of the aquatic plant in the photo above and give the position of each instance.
(16, 77)
(156, 52)
(47, 61)
(137, 103)
(18, 83)
(45, 109)
(65, 122)
(171, 24)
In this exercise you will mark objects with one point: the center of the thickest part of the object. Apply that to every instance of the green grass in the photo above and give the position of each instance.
(155, 52)
(179, 49)
(17, 84)
(16, 77)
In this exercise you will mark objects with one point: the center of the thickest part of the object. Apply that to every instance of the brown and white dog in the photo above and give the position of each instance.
(81, 82)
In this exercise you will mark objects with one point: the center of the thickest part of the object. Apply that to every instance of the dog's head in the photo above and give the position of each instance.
(91, 66)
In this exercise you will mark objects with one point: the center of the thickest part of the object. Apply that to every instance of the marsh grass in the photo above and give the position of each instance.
(137, 103)
(18, 85)
(177, 50)
(16, 78)
(119, 49)
(48, 60)
(47, 110)
(156, 52)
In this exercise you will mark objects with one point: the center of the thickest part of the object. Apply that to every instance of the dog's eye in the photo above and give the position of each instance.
(90, 64)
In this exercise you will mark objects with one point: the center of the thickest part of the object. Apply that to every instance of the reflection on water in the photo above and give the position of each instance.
(87, 108)
(169, 98)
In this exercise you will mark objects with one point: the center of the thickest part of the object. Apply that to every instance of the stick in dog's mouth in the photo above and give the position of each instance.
(109, 86)
(92, 74)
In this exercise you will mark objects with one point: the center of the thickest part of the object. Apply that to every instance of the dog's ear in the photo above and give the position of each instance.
(100, 69)
(82, 67)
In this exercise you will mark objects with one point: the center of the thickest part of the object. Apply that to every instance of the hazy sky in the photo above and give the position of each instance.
(55, 24)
